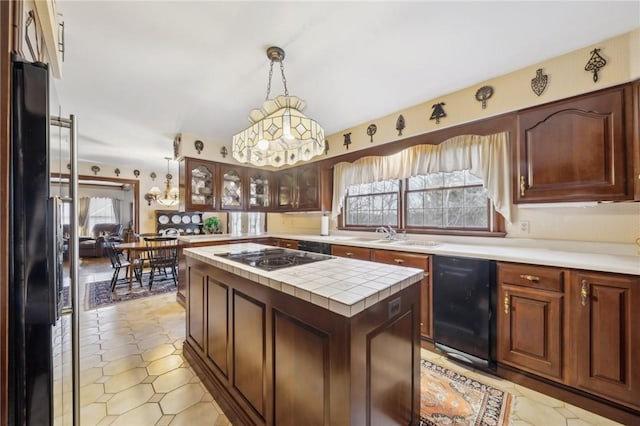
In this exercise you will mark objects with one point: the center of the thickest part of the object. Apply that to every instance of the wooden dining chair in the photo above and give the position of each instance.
(118, 262)
(162, 255)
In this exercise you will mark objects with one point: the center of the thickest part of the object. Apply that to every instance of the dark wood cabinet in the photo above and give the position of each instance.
(233, 185)
(360, 253)
(299, 188)
(274, 359)
(576, 149)
(530, 318)
(604, 339)
(259, 190)
(414, 260)
(290, 244)
(198, 186)
(636, 140)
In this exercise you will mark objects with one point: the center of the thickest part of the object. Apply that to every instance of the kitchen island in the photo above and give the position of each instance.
(330, 342)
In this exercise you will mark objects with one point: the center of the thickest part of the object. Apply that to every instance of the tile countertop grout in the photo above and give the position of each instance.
(603, 257)
(323, 283)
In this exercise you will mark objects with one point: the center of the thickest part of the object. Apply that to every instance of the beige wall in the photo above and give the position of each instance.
(619, 222)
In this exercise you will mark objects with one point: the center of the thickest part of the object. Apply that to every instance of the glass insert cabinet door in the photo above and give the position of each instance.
(259, 191)
(202, 186)
(231, 197)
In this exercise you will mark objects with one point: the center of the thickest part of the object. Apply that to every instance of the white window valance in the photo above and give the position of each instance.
(486, 157)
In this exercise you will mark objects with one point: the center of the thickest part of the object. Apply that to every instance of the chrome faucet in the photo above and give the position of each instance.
(390, 233)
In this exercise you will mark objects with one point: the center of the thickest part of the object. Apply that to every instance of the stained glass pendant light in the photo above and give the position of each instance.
(279, 133)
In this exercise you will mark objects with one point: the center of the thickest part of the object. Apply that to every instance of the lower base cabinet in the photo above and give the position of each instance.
(269, 358)
(578, 328)
(530, 319)
(604, 339)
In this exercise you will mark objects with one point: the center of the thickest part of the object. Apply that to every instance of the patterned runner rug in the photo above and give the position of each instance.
(99, 294)
(450, 398)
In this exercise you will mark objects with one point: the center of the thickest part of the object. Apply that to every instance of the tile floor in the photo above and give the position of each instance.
(133, 372)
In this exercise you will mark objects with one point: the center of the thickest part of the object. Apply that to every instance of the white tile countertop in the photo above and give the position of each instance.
(592, 256)
(341, 285)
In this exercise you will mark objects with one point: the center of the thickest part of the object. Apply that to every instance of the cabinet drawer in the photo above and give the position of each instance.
(361, 253)
(290, 244)
(543, 277)
(412, 260)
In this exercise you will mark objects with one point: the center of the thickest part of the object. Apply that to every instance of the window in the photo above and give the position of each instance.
(447, 200)
(372, 204)
(101, 211)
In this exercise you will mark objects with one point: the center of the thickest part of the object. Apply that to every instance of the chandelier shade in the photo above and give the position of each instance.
(279, 134)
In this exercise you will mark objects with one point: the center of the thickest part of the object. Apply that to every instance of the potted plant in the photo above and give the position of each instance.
(211, 225)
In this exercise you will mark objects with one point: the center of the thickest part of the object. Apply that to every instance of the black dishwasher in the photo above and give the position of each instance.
(464, 300)
(315, 247)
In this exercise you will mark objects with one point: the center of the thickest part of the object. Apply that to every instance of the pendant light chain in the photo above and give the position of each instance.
(284, 79)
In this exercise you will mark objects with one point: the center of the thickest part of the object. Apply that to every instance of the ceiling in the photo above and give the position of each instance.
(136, 73)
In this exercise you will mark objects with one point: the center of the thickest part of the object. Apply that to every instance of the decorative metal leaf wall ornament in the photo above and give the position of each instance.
(371, 130)
(95, 169)
(484, 93)
(326, 147)
(400, 124)
(539, 82)
(136, 172)
(347, 140)
(153, 176)
(117, 172)
(224, 152)
(438, 112)
(199, 145)
(176, 145)
(595, 64)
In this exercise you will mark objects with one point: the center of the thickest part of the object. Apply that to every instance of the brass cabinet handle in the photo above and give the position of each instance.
(506, 303)
(349, 254)
(398, 261)
(523, 185)
(584, 293)
(288, 245)
(530, 278)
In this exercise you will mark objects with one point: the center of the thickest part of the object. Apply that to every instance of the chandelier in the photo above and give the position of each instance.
(279, 133)
(169, 197)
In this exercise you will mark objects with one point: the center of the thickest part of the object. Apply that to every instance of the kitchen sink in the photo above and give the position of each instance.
(423, 243)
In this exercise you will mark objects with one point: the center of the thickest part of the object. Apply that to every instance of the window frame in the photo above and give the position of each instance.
(343, 216)
(495, 228)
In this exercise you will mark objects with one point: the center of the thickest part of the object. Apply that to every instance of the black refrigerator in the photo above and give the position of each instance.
(35, 251)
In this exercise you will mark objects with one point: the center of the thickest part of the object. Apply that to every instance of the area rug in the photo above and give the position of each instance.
(99, 293)
(450, 398)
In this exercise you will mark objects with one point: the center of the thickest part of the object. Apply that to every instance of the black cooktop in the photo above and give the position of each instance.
(272, 259)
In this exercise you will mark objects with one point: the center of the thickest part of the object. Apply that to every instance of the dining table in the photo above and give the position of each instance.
(134, 250)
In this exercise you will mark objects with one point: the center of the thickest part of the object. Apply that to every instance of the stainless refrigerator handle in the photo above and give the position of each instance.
(74, 260)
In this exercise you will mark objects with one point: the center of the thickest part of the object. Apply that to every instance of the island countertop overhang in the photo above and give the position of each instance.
(341, 285)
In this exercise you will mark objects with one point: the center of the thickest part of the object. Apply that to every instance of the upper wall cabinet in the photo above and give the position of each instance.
(579, 149)
(299, 188)
(260, 188)
(232, 187)
(198, 189)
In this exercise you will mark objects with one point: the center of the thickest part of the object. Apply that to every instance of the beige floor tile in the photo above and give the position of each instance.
(540, 398)
(195, 414)
(172, 380)
(578, 422)
(92, 414)
(156, 397)
(123, 364)
(590, 417)
(107, 421)
(125, 380)
(89, 376)
(538, 414)
(129, 399)
(222, 420)
(119, 352)
(158, 352)
(146, 414)
(165, 420)
(90, 393)
(165, 365)
(179, 399)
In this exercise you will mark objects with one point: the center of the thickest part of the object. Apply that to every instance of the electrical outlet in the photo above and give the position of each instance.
(524, 226)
